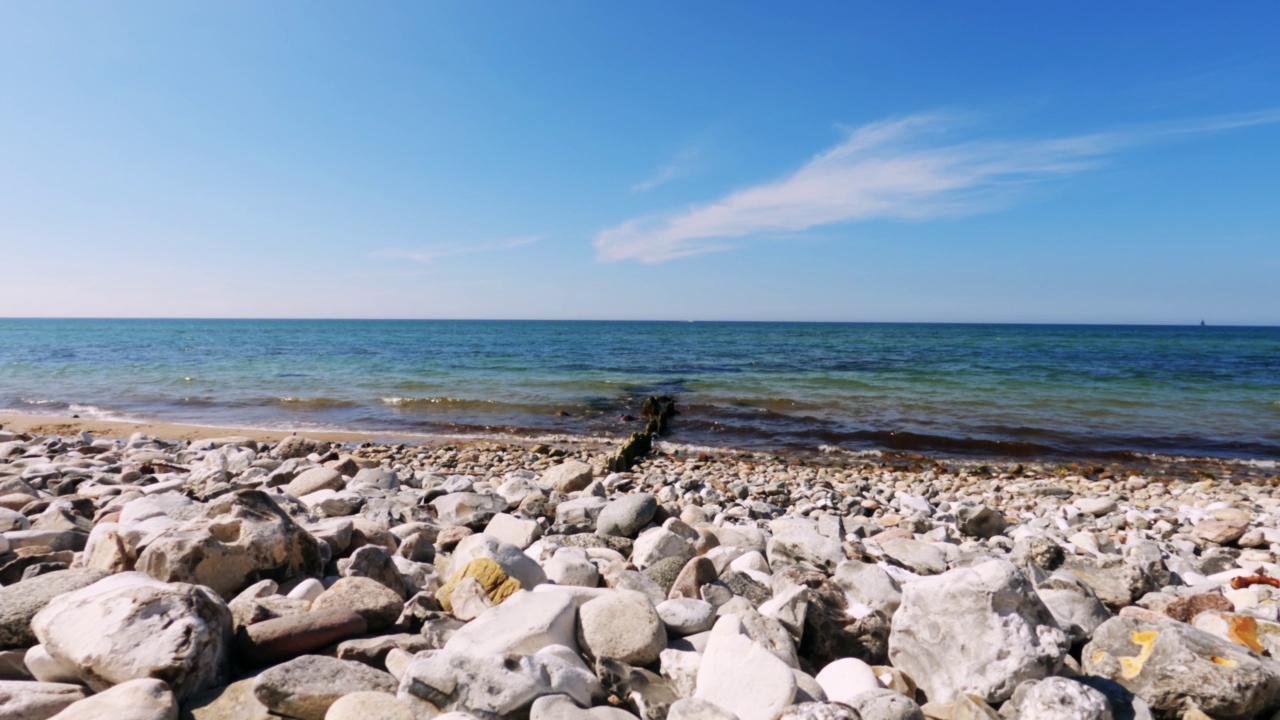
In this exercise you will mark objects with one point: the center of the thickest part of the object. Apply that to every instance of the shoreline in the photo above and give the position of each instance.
(1168, 466)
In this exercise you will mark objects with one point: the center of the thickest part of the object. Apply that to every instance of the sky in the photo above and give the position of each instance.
(822, 161)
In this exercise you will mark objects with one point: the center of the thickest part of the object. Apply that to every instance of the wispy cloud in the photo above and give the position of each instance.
(903, 168)
(433, 252)
(686, 162)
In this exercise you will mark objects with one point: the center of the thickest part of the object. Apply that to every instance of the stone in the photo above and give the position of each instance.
(1173, 667)
(25, 700)
(378, 604)
(685, 616)
(130, 626)
(272, 641)
(742, 677)
(698, 709)
(834, 629)
(818, 711)
(467, 509)
(980, 521)
(627, 515)
(557, 707)
(688, 583)
(657, 544)
(919, 557)
(375, 563)
(520, 532)
(1096, 506)
(1222, 532)
(1074, 605)
(513, 561)
(804, 547)
(1059, 698)
(314, 480)
(885, 704)
(621, 626)
(524, 624)
(494, 685)
(231, 702)
(141, 699)
(568, 477)
(979, 630)
(847, 678)
(488, 574)
(869, 584)
(307, 686)
(1184, 609)
(369, 705)
(19, 603)
(244, 537)
(571, 566)
(296, 446)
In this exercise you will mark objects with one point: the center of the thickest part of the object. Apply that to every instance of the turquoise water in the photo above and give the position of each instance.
(990, 390)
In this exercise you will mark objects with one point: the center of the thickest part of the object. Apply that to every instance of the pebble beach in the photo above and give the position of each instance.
(210, 576)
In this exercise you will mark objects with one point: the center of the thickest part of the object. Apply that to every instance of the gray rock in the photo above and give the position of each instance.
(314, 480)
(375, 563)
(378, 604)
(621, 626)
(306, 686)
(870, 585)
(1174, 667)
(627, 515)
(130, 626)
(980, 521)
(1073, 603)
(494, 685)
(919, 557)
(1058, 698)
(19, 603)
(469, 509)
(818, 711)
(804, 547)
(697, 709)
(685, 616)
(230, 702)
(885, 704)
(296, 446)
(979, 630)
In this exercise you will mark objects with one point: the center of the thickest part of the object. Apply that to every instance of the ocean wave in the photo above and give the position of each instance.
(436, 401)
(314, 402)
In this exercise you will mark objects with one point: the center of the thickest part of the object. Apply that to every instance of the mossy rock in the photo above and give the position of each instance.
(488, 573)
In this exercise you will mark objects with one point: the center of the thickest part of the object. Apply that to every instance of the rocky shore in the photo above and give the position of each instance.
(145, 579)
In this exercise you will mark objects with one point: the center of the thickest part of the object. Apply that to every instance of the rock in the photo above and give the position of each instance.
(1184, 609)
(272, 641)
(1096, 506)
(557, 707)
(467, 509)
(231, 702)
(870, 585)
(524, 624)
(307, 686)
(512, 560)
(19, 603)
(512, 530)
(657, 544)
(621, 626)
(688, 583)
(488, 574)
(378, 604)
(571, 566)
(130, 626)
(1222, 532)
(919, 557)
(818, 711)
(369, 706)
(1059, 698)
(569, 477)
(1074, 605)
(684, 616)
(742, 677)
(141, 699)
(627, 515)
(314, 480)
(494, 685)
(979, 630)
(296, 446)
(885, 704)
(24, 700)
(698, 709)
(980, 521)
(847, 678)
(1173, 667)
(375, 563)
(833, 629)
(807, 548)
(244, 537)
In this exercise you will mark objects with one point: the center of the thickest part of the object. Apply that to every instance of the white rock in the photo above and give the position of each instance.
(1059, 698)
(308, 589)
(469, 600)
(742, 677)
(46, 668)
(524, 623)
(494, 685)
(568, 477)
(656, 544)
(979, 630)
(846, 678)
(571, 566)
(512, 560)
(24, 700)
(680, 668)
(686, 616)
(698, 709)
(131, 626)
(804, 546)
(750, 561)
(142, 699)
(516, 531)
(789, 607)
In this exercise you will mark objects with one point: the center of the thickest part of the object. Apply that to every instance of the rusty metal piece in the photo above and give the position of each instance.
(1240, 583)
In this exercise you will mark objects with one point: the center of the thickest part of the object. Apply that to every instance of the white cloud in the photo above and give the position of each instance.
(431, 253)
(899, 168)
(686, 162)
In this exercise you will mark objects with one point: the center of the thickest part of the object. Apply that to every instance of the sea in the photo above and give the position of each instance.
(970, 390)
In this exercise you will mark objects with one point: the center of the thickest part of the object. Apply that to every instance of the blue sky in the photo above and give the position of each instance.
(1009, 162)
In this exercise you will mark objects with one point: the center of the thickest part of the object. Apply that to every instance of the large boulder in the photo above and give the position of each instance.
(979, 630)
(131, 626)
(20, 602)
(1175, 667)
(245, 537)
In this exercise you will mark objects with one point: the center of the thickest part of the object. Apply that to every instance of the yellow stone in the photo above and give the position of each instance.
(1131, 666)
(488, 573)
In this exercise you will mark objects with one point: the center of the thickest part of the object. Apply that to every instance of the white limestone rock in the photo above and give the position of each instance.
(742, 677)
(141, 699)
(524, 623)
(846, 678)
